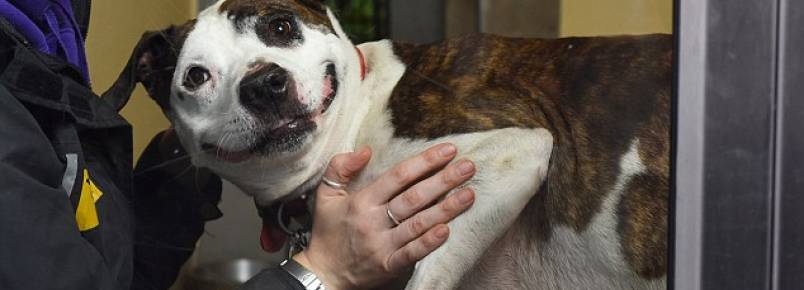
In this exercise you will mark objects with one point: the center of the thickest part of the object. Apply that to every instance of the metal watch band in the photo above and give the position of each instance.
(305, 277)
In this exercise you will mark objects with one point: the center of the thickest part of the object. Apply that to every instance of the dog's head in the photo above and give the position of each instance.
(251, 86)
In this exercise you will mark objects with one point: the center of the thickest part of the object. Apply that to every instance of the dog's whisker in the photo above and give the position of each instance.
(166, 164)
(219, 148)
(182, 172)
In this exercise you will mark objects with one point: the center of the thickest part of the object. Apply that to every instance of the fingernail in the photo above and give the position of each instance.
(442, 232)
(466, 167)
(465, 196)
(363, 151)
(447, 150)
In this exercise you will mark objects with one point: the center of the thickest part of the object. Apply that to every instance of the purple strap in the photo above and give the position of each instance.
(50, 27)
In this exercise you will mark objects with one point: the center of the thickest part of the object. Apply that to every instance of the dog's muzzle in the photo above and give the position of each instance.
(268, 88)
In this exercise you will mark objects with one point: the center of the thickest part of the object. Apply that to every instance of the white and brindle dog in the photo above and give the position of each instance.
(571, 136)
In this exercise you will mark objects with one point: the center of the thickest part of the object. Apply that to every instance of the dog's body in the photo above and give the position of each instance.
(571, 136)
(606, 233)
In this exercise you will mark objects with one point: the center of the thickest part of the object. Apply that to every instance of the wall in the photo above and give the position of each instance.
(521, 18)
(418, 21)
(558, 18)
(462, 17)
(612, 17)
(115, 28)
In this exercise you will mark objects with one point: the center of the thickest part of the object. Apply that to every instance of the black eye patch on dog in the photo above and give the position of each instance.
(249, 15)
(279, 29)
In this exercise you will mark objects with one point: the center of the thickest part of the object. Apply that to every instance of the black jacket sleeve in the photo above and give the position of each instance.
(144, 237)
(274, 279)
(57, 138)
(40, 245)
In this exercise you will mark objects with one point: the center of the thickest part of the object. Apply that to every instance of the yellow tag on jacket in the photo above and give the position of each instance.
(86, 215)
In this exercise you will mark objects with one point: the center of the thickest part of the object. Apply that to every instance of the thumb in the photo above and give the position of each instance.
(342, 168)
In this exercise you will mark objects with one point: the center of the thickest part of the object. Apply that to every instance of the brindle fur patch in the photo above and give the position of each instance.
(309, 12)
(643, 224)
(595, 95)
(643, 210)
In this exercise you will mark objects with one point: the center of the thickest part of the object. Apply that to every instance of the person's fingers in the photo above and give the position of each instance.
(342, 168)
(443, 212)
(416, 250)
(411, 170)
(425, 192)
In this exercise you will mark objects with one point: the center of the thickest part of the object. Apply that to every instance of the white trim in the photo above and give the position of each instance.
(690, 145)
(70, 173)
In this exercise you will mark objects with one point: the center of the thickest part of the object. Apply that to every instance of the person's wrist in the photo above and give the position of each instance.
(329, 278)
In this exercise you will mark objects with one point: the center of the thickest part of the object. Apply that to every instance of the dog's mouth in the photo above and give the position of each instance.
(330, 88)
(284, 134)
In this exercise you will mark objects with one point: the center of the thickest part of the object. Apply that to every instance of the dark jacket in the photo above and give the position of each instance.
(59, 143)
(73, 214)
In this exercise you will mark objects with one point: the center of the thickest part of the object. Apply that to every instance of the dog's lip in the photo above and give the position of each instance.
(288, 122)
(330, 88)
(245, 154)
(226, 155)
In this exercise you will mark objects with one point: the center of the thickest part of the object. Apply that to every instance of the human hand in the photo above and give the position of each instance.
(356, 245)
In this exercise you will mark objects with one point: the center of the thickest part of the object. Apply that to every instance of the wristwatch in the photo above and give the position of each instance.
(309, 280)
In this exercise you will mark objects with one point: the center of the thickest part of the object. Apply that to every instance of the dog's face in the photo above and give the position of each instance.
(254, 79)
(254, 85)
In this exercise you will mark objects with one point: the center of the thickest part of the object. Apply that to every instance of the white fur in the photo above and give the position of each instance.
(589, 260)
(598, 248)
(512, 162)
(512, 166)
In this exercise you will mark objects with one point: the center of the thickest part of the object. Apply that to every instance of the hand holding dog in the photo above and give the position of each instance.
(355, 245)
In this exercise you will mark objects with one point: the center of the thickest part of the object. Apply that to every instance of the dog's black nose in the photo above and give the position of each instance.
(264, 88)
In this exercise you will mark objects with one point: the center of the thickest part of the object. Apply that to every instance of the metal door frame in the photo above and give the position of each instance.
(739, 149)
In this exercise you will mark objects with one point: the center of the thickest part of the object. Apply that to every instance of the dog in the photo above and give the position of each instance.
(571, 136)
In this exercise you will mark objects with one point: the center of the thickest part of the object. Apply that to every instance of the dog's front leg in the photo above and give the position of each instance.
(512, 165)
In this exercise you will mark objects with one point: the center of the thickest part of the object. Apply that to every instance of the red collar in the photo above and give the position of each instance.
(363, 67)
(275, 219)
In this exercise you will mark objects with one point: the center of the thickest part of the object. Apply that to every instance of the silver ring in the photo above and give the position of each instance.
(333, 184)
(391, 215)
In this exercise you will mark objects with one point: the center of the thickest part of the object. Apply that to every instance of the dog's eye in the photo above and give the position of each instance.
(196, 77)
(280, 27)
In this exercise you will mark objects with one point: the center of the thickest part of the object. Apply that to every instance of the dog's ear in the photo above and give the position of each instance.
(318, 5)
(152, 63)
(314, 2)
